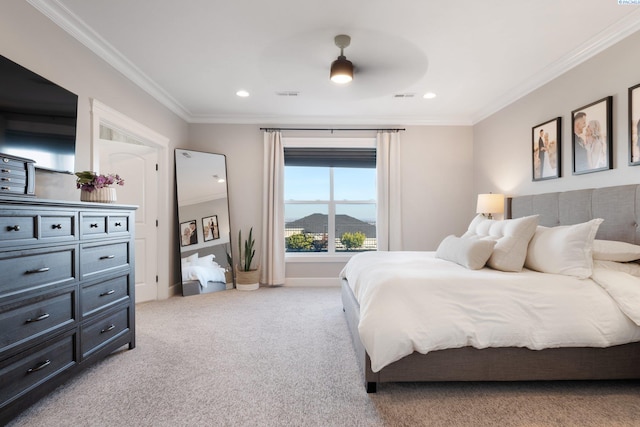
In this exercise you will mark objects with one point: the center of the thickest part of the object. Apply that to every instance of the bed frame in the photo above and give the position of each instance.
(620, 208)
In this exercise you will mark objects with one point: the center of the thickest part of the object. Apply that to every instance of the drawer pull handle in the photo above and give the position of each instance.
(109, 292)
(56, 226)
(109, 328)
(94, 225)
(39, 318)
(4, 178)
(5, 188)
(107, 257)
(13, 228)
(38, 270)
(118, 224)
(40, 366)
(6, 170)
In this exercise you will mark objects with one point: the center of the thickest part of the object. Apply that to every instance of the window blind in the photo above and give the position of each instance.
(330, 157)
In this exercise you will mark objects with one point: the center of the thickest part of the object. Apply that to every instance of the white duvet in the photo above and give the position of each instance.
(203, 274)
(412, 301)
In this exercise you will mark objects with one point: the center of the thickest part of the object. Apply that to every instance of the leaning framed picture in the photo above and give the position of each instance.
(592, 137)
(546, 148)
(634, 125)
(188, 233)
(210, 228)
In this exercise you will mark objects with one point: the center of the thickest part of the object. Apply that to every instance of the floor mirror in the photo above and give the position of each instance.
(203, 222)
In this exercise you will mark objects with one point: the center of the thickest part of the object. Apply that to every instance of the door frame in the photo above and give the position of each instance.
(102, 114)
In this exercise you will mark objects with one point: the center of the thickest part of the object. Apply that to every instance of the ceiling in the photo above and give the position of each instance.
(477, 56)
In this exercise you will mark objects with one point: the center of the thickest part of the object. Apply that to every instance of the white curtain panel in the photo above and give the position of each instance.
(389, 213)
(272, 259)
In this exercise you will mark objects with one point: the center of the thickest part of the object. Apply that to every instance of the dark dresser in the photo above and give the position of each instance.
(66, 293)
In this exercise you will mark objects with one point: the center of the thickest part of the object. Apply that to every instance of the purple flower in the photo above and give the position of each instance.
(89, 181)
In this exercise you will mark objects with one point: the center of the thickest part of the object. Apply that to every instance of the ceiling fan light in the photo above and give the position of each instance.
(341, 70)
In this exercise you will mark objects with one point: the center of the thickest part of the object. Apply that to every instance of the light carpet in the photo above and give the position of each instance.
(283, 357)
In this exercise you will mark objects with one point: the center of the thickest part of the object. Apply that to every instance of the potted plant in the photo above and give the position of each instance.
(247, 279)
(97, 188)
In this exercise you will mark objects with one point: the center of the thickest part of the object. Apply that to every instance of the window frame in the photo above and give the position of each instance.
(340, 142)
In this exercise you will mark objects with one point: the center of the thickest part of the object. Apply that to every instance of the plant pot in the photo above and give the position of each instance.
(99, 195)
(247, 280)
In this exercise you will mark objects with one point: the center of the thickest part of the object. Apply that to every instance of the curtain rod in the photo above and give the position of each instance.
(332, 130)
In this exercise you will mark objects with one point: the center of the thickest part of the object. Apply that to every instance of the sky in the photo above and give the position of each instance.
(313, 184)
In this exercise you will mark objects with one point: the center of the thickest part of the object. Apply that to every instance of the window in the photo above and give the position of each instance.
(330, 196)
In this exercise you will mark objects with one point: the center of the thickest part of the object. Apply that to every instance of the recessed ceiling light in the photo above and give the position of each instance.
(242, 93)
(429, 95)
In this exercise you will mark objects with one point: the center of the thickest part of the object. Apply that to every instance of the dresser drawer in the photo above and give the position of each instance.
(96, 259)
(22, 270)
(118, 225)
(99, 333)
(98, 296)
(58, 226)
(18, 228)
(22, 374)
(93, 225)
(36, 317)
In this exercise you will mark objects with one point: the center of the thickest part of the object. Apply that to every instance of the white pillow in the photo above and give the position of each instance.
(610, 250)
(472, 254)
(511, 236)
(564, 249)
(205, 261)
(190, 259)
(631, 268)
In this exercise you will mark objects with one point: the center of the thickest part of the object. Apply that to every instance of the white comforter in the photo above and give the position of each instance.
(203, 274)
(412, 301)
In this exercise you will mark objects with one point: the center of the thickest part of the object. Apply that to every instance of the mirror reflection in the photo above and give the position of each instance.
(203, 217)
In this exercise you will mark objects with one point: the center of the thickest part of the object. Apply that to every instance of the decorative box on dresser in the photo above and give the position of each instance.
(66, 292)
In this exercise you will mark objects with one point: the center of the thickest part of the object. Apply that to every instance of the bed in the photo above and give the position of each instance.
(202, 274)
(615, 353)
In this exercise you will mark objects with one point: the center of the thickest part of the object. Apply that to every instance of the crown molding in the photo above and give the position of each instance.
(334, 120)
(75, 27)
(605, 39)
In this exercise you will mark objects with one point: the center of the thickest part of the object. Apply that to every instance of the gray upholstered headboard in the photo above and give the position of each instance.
(619, 206)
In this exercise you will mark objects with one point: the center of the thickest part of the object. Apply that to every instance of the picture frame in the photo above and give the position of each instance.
(634, 125)
(188, 233)
(210, 229)
(546, 150)
(592, 137)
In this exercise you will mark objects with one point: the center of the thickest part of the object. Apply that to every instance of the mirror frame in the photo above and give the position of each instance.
(204, 230)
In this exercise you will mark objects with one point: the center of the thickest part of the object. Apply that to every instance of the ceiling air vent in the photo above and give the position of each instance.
(404, 95)
(288, 93)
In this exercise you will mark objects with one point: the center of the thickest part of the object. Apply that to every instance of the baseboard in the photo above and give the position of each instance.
(312, 282)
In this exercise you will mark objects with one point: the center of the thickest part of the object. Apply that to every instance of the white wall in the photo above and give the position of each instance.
(502, 142)
(437, 190)
(33, 41)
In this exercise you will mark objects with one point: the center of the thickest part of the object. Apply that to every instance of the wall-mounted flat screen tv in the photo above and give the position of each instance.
(37, 118)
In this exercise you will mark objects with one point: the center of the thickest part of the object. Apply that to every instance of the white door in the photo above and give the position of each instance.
(137, 165)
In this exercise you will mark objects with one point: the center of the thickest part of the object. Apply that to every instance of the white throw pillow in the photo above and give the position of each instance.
(610, 250)
(564, 250)
(511, 236)
(205, 261)
(190, 259)
(472, 254)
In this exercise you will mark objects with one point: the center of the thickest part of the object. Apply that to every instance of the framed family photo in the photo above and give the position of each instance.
(634, 125)
(210, 228)
(592, 137)
(546, 147)
(188, 233)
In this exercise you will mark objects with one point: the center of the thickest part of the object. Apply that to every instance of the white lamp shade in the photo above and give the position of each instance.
(490, 203)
